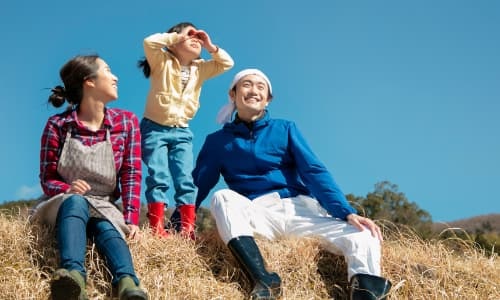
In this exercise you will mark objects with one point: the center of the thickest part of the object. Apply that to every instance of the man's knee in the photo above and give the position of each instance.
(365, 240)
(221, 198)
(223, 194)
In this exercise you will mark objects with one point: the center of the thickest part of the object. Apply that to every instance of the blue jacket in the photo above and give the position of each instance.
(273, 156)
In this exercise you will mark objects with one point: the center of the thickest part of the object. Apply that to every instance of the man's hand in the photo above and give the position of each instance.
(361, 223)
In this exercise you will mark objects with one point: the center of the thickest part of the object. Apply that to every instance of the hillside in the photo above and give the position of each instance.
(488, 223)
(179, 269)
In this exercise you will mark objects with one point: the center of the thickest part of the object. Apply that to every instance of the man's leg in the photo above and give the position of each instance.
(236, 216)
(360, 249)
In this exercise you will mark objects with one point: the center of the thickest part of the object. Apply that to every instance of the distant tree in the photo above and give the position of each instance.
(204, 220)
(486, 238)
(387, 203)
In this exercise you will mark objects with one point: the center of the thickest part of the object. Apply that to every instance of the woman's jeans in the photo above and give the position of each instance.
(74, 225)
(167, 153)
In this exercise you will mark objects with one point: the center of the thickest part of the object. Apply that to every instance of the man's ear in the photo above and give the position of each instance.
(232, 94)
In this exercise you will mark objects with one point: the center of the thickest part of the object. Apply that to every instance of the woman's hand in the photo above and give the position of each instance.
(361, 223)
(79, 187)
(135, 232)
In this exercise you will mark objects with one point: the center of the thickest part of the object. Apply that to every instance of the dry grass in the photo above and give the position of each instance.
(179, 269)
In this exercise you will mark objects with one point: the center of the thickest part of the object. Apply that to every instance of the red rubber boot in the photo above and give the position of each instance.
(156, 216)
(188, 219)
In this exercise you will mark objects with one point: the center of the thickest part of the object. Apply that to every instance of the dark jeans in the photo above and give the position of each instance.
(74, 225)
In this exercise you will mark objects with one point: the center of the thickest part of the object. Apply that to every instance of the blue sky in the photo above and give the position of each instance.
(405, 91)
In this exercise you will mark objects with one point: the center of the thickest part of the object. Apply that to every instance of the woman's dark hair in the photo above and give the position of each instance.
(143, 63)
(73, 74)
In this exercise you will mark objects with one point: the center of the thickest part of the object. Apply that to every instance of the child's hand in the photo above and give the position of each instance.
(204, 39)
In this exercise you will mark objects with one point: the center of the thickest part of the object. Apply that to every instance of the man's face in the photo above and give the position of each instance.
(251, 97)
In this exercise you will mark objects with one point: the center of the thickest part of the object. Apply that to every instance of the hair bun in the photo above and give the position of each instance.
(58, 96)
(58, 91)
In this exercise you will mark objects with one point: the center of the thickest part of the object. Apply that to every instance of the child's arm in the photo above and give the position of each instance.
(221, 61)
(155, 44)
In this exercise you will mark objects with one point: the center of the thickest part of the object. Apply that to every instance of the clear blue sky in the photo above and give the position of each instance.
(405, 91)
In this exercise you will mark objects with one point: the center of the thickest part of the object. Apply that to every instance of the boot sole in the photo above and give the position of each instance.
(134, 295)
(64, 287)
(265, 292)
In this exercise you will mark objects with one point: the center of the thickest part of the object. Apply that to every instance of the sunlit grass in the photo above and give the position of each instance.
(175, 268)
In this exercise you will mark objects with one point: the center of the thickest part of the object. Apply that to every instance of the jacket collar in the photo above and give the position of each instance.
(238, 126)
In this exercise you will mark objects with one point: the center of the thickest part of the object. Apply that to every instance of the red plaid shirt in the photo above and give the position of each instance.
(126, 141)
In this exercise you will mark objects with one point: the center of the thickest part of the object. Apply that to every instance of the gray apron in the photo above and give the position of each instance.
(96, 165)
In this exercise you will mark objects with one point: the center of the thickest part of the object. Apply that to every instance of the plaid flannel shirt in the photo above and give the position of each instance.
(126, 142)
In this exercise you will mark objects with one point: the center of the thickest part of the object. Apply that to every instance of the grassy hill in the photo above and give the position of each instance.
(488, 223)
(175, 268)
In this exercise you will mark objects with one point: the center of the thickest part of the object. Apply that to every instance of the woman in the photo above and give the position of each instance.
(88, 154)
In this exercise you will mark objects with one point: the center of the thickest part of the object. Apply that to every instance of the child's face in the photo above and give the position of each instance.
(190, 47)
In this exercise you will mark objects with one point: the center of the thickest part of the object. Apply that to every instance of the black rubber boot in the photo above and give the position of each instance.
(175, 221)
(266, 285)
(369, 287)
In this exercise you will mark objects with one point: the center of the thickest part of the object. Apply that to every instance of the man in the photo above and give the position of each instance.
(278, 187)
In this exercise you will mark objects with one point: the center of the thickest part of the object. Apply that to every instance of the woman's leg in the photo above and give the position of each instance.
(71, 224)
(113, 247)
(68, 282)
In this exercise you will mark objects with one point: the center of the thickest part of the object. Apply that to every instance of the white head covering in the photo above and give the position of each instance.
(226, 112)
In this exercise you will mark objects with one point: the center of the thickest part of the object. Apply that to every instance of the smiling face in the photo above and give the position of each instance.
(104, 84)
(251, 97)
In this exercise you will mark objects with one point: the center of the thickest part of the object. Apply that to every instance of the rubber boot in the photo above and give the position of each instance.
(188, 220)
(266, 285)
(369, 287)
(175, 220)
(128, 290)
(156, 216)
(68, 285)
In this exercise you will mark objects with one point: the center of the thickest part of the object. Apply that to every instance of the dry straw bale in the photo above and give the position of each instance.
(175, 268)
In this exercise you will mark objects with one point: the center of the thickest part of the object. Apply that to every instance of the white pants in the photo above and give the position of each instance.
(273, 217)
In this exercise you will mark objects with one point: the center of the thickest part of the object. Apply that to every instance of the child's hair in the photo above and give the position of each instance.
(143, 63)
(73, 74)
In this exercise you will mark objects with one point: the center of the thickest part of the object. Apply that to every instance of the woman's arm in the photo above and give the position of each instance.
(130, 173)
(51, 143)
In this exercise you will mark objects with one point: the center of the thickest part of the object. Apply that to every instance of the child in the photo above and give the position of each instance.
(176, 74)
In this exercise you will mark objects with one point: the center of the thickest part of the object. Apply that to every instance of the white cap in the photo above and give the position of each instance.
(226, 112)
